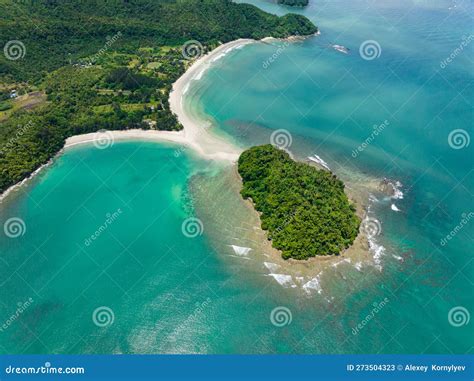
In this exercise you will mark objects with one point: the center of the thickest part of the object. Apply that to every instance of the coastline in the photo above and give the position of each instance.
(241, 241)
(18, 185)
(194, 135)
(197, 136)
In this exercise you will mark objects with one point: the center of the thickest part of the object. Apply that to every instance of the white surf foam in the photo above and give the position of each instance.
(373, 198)
(240, 257)
(299, 279)
(229, 49)
(284, 280)
(378, 251)
(341, 49)
(313, 285)
(329, 300)
(186, 88)
(241, 250)
(18, 186)
(271, 266)
(358, 266)
(218, 57)
(317, 159)
(199, 75)
(394, 208)
(397, 194)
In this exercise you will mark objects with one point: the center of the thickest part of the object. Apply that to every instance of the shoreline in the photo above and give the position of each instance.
(194, 134)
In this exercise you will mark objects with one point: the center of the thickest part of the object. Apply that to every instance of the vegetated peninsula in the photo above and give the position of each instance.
(304, 210)
(294, 3)
(105, 65)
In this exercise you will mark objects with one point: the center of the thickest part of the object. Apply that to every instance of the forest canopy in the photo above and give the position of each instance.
(56, 32)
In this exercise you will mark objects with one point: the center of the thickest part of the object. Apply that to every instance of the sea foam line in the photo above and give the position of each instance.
(284, 280)
(317, 159)
(241, 250)
(313, 285)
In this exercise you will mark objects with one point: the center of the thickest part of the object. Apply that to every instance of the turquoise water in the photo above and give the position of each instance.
(330, 101)
(157, 290)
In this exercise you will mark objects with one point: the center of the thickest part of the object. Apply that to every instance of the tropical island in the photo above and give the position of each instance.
(303, 209)
(73, 68)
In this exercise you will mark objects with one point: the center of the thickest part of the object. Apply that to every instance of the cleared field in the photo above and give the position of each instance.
(25, 102)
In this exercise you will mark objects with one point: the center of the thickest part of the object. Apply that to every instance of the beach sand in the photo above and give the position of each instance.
(195, 134)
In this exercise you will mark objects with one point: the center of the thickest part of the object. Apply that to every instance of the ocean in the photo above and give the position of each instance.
(146, 248)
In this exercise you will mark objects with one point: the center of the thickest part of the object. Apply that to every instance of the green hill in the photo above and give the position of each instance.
(55, 32)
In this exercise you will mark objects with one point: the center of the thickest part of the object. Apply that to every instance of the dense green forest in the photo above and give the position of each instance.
(294, 3)
(106, 64)
(57, 31)
(304, 210)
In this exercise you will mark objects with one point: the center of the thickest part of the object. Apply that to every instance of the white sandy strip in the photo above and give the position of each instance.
(194, 130)
(195, 135)
(171, 136)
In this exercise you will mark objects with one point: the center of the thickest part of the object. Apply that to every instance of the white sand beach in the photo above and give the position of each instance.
(205, 142)
(195, 134)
